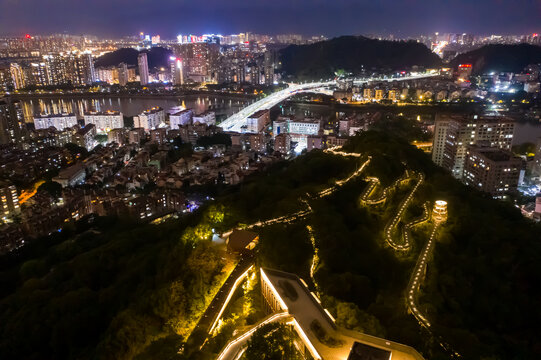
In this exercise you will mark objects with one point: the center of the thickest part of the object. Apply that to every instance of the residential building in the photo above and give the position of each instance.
(207, 117)
(9, 200)
(177, 71)
(58, 121)
(85, 137)
(11, 121)
(256, 122)
(282, 143)
(158, 135)
(17, 76)
(105, 121)
(123, 74)
(492, 170)
(135, 135)
(71, 176)
(117, 136)
(454, 133)
(183, 117)
(150, 119)
(142, 62)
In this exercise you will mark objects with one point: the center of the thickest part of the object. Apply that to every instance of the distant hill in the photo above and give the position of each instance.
(157, 57)
(353, 54)
(500, 58)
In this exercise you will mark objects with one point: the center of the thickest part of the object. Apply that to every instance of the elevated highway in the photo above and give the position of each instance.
(235, 122)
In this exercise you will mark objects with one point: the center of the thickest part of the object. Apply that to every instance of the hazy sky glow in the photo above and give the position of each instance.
(329, 17)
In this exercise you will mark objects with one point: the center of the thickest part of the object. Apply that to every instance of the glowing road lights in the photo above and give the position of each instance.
(236, 121)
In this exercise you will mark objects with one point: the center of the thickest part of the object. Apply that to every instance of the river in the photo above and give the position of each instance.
(129, 106)
(524, 131)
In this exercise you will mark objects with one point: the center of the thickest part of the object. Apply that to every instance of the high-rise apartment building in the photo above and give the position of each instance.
(69, 68)
(454, 133)
(105, 121)
(150, 119)
(177, 71)
(37, 74)
(9, 200)
(123, 75)
(11, 121)
(198, 60)
(180, 118)
(58, 121)
(492, 170)
(269, 67)
(207, 118)
(142, 62)
(17, 76)
(256, 122)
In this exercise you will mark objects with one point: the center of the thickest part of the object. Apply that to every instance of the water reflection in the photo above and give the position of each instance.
(128, 106)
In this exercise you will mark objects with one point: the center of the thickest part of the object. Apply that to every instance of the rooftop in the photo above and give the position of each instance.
(259, 113)
(182, 112)
(44, 116)
(307, 310)
(492, 153)
(152, 111)
(108, 112)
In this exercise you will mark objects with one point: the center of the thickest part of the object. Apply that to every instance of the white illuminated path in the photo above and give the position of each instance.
(235, 122)
(234, 349)
(398, 217)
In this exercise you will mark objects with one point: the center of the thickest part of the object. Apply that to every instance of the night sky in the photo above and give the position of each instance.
(328, 17)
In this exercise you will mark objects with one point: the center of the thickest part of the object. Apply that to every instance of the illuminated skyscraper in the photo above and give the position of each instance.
(143, 68)
(269, 67)
(17, 76)
(9, 200)
(123, 76)
(11, 121)
(37, 74)
(177, 72)
(198, 60)
(85, 69)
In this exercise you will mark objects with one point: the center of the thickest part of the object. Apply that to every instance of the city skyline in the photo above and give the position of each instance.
(166, 17)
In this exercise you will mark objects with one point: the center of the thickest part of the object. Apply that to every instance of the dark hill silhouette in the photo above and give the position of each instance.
(500, 58)
(353, 54)
(157, 57)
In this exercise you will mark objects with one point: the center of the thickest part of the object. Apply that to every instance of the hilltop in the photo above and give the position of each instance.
(500, 58)
(353, 54)
(116, 289)
(157, 57)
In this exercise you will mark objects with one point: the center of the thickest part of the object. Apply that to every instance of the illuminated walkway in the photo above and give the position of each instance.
(289, 218)
(235, 348)
(289, 315)
(390, 229)
(416, 278)
(368, 196)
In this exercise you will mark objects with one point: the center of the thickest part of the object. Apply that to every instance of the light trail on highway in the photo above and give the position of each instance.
(235, 122)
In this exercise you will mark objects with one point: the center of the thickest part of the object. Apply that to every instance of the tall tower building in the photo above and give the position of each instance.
(269, 68)
(11, 121)
(9, 200)
(17, 76)
(177, 71)
(143, 68)
(85, 69)
(123, 75)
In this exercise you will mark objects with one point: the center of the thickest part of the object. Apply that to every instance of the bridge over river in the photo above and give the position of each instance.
(235, 122)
